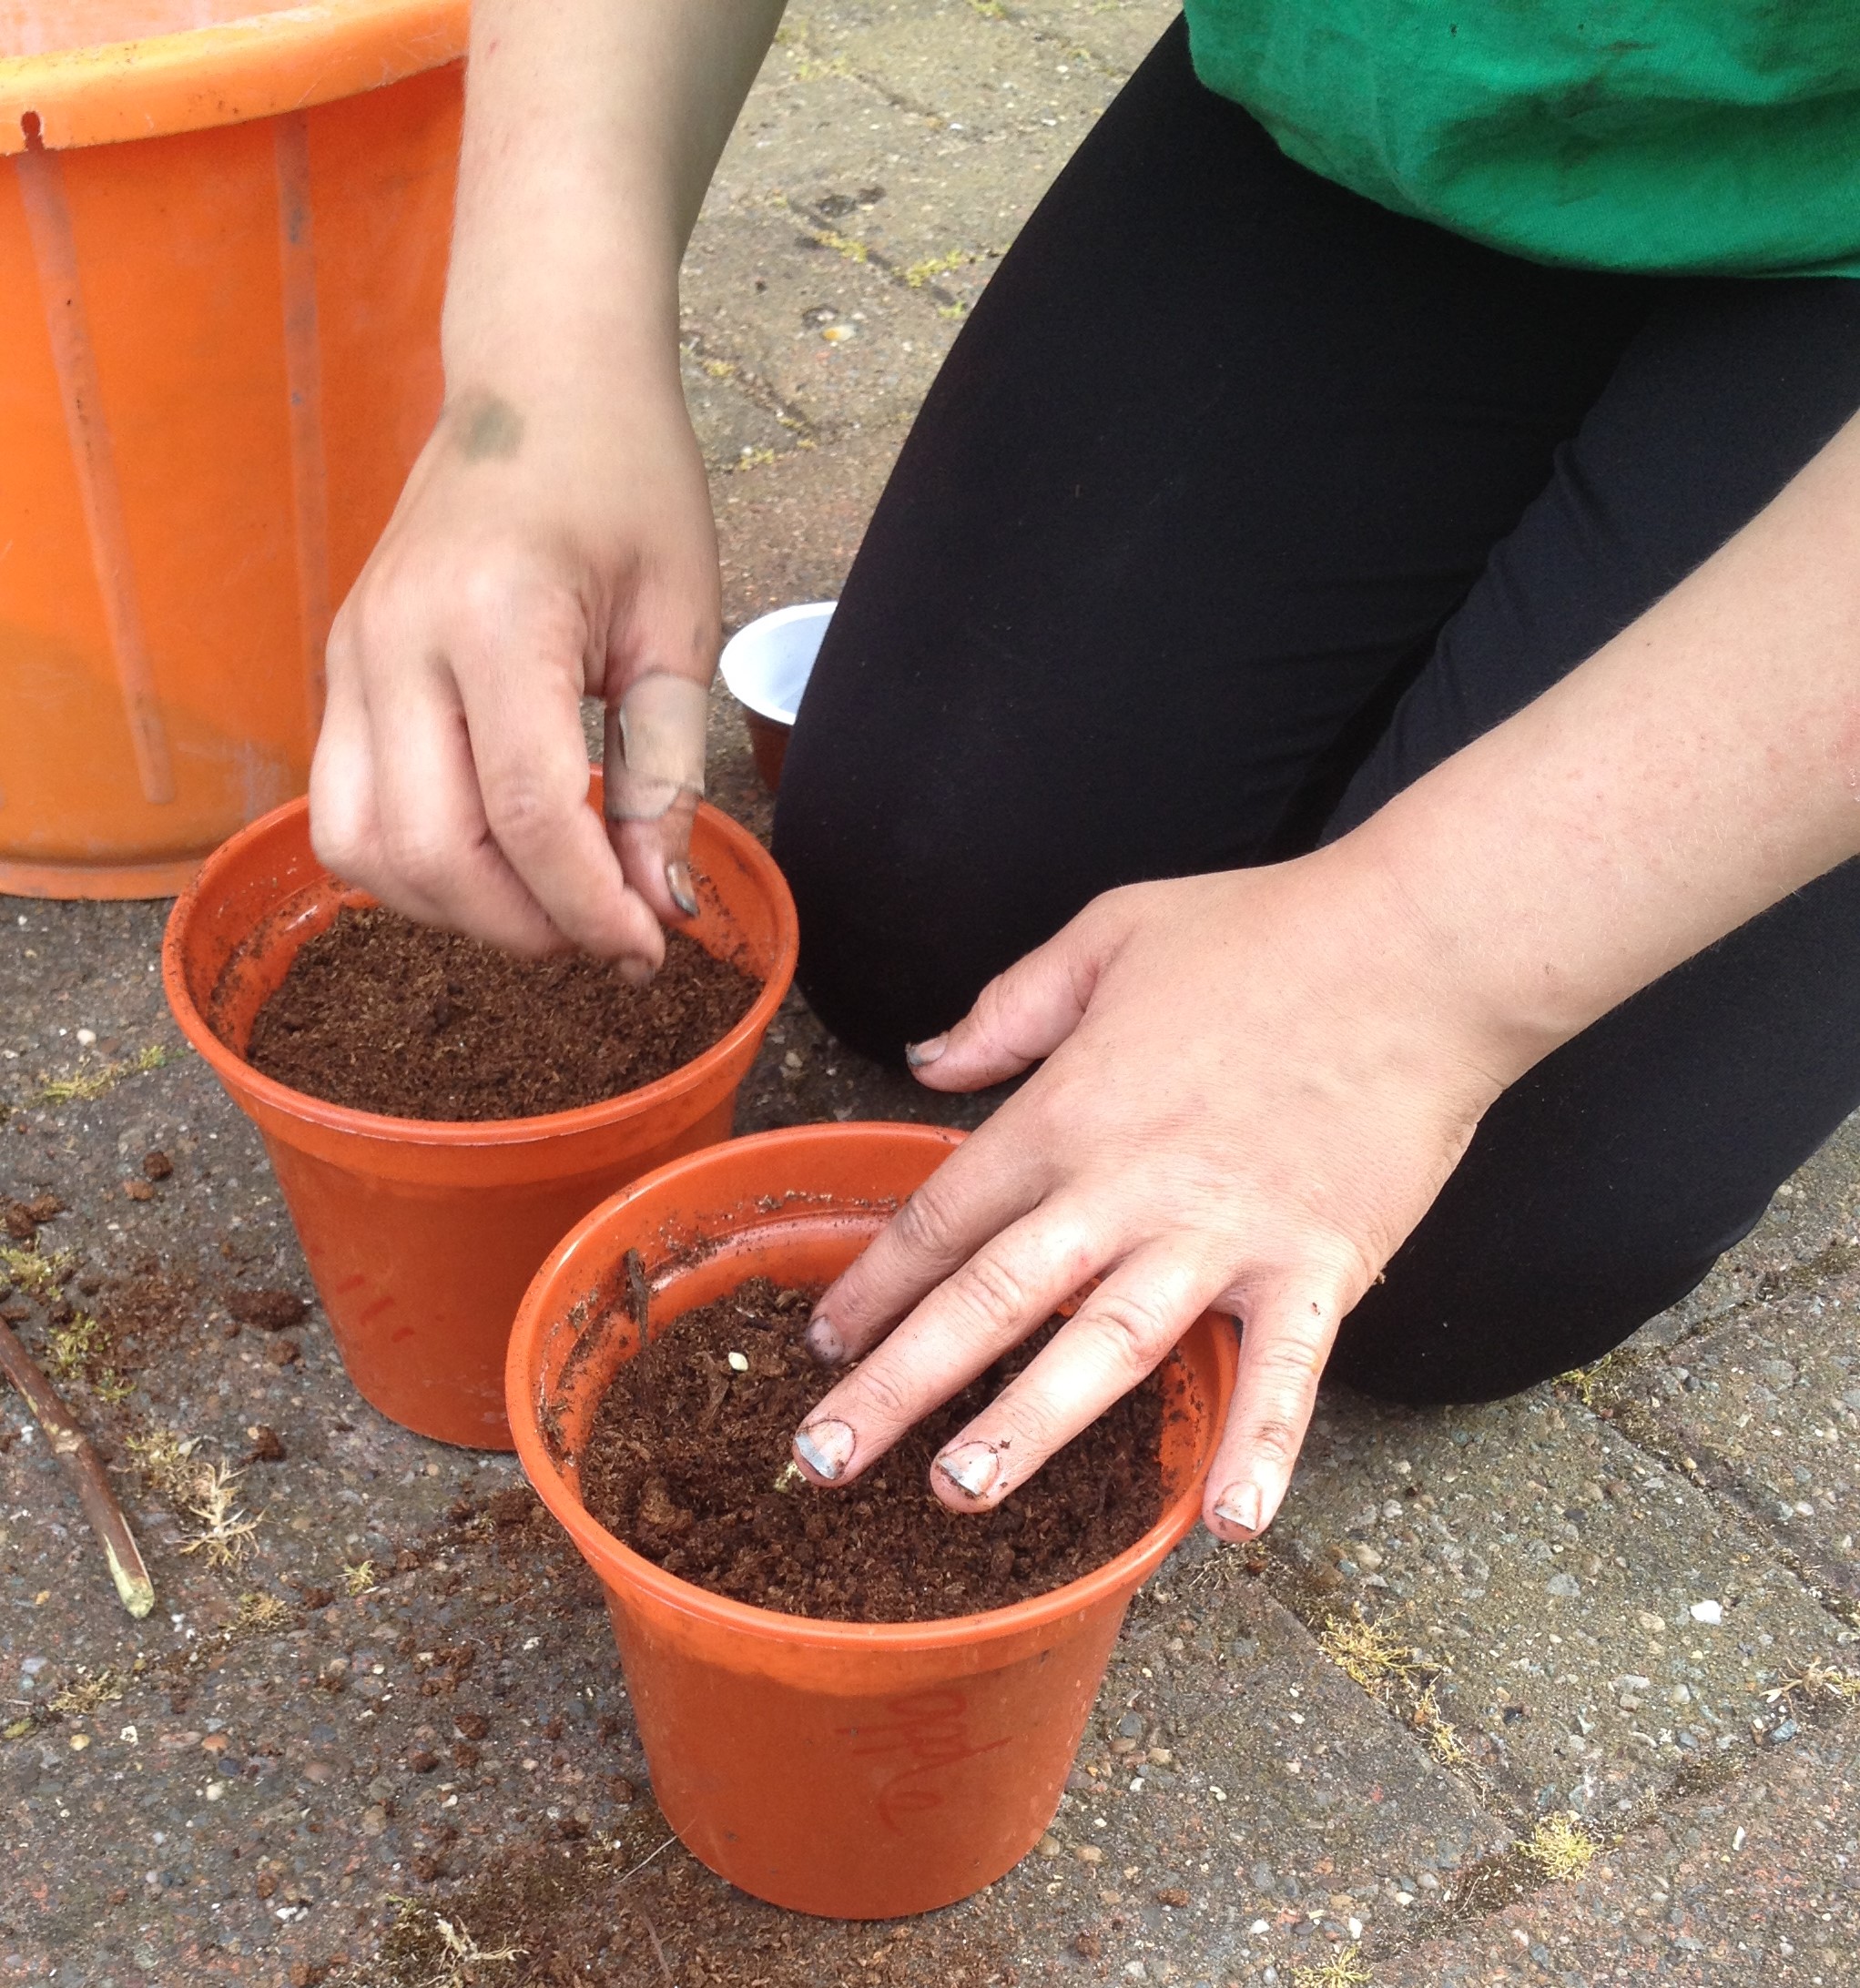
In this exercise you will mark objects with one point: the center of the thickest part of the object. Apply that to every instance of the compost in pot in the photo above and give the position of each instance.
(382, 1015)
(687, 1463)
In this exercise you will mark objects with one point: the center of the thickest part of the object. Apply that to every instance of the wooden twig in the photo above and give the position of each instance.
(72, 1447)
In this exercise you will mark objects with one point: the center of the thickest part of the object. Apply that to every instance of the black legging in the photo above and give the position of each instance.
(1240, 503)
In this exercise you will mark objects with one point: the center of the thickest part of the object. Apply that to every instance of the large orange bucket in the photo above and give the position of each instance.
(857, 1771)
(222, 249)
(421, 1235)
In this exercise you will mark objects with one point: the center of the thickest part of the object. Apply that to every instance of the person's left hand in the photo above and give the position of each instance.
(1255, 1083)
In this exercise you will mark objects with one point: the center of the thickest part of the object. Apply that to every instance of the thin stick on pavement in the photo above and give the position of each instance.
(72, 1447)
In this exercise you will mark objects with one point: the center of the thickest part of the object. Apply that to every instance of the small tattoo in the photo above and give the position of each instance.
(490, 427)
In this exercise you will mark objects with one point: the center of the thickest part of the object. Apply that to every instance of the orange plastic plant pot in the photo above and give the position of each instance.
(223, 246)
(768, 740)
(421, 1236)
(856, 1771)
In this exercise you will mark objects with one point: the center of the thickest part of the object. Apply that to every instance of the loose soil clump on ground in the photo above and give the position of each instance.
(383, 1015)
(687, 1463)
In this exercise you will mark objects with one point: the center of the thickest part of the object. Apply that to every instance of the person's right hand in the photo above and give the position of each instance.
(541, 552)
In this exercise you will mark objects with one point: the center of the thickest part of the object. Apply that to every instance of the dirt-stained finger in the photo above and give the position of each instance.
(984, 1308)
(1120, 1333)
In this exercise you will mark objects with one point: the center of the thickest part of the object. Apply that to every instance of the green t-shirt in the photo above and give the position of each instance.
(1685, 136)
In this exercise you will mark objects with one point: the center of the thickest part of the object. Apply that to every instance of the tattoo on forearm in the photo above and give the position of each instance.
(488, 426)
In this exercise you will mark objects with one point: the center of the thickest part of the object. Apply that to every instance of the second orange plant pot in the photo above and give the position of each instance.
(421, 1235)
(857, 1771)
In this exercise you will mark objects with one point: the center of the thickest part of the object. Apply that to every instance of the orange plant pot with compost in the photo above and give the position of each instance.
(421, 1232)
(223, 234)
(855, 1769)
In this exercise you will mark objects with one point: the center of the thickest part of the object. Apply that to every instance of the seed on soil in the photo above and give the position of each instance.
(472, 1725)
(383, 1015)
(265, 1446)
(422, 1761)
(684, 1453)
(155, 1164)
(1172, 1895)
(139, 1190)
(283, 1352)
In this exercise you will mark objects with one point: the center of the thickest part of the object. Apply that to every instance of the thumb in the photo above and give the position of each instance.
(1019, 1017)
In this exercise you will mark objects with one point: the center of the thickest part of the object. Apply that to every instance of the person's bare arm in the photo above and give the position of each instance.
(554, 539)
(1255, 1082)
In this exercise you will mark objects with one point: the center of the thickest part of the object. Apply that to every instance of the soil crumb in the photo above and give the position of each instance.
(269, 1310)
(148, 1312)
(691, 1441)
(383, 1015)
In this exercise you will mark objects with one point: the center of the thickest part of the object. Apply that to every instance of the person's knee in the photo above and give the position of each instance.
(1455, 1324)
(888, 953)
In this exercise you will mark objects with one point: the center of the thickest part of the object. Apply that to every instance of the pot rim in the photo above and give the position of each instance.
(240, 1076)
(225, 72)
(1126, 1570)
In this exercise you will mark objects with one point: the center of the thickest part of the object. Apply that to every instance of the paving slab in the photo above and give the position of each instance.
(1551, 1569)
(1238, 1807)
(932, 209)
(732, 429)
(1116, 34)
(1763, 1409)
(819, 330)
(971, 67)
(251, 1801)
(1748, 1886)
(788, 531)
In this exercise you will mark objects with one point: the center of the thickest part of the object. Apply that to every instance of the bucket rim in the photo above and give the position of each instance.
(231, 72)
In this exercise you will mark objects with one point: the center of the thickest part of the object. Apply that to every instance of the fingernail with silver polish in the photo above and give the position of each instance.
(826, 1448)
(917, 1054)
(1239, 1506)
(972, 1469)
(823, 1343)
(678, 882)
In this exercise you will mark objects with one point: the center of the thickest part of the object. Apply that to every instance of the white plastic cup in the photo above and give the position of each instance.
(765, 666)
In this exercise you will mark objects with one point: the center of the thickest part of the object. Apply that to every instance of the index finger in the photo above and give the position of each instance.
(984, 1185)
(524, 726)
(987, 1307)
